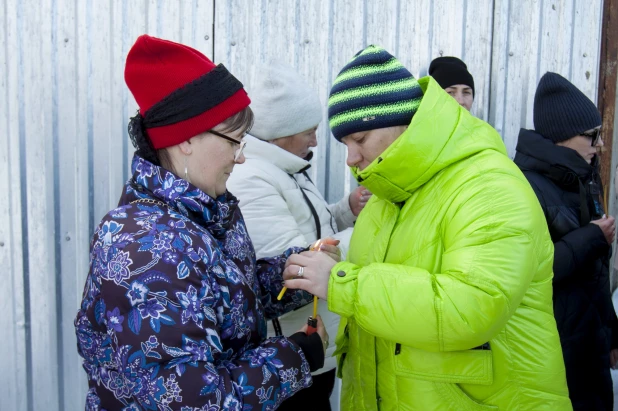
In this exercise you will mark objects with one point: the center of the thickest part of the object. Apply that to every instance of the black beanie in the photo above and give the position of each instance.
(561, 110)
(449, 71)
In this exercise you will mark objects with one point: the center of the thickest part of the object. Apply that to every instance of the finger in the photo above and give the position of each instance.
(304, 329)
(307, 256)
(299, 284)
(320, 323)
(303, 258)
(291, 272)
(335, 257)
(321, 328)
(330, 241)
(332, 249)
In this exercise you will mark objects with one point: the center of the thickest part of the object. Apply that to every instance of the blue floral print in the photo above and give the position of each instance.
(174, 307)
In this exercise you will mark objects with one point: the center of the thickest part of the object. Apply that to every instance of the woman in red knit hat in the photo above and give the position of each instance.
(174, 310)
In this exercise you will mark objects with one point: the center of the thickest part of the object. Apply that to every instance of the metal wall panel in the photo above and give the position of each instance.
(64, 151)
(319, 37)
(64, 155)
(532, 37)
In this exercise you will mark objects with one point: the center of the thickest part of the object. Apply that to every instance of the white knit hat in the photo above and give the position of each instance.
(283, 103)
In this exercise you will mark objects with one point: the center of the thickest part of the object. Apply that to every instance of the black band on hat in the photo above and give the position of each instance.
(195, 98)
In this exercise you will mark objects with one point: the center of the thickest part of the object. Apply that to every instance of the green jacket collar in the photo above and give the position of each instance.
(441, 133)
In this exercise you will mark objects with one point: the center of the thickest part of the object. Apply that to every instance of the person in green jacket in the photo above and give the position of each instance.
(446, 294)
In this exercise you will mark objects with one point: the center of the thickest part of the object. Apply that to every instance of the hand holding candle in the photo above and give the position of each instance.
(309, 271)
(320, 330)
(328, 246)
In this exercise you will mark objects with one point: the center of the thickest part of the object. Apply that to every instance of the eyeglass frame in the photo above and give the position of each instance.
(242, 143)
(594, 134)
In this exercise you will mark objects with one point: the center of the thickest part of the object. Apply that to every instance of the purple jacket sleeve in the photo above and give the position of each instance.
(270, 277)
(191, 353)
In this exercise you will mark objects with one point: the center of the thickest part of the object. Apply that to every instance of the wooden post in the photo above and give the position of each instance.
(608, 75)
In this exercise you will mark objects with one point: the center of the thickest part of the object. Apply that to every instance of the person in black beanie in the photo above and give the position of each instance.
(559, 159)
(453, 76)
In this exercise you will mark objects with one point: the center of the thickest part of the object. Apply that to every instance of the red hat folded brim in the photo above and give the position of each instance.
(173, 134)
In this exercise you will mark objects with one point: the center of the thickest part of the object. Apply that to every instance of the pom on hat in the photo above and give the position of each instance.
(180, 92)
(450, 71)
(561, 110)
(374, 90)
(283, 103)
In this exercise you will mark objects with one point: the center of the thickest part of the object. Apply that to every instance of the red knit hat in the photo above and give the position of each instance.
(158, 69)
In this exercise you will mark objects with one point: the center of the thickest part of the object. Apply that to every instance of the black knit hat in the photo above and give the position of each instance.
(449, 71)
(561, 110)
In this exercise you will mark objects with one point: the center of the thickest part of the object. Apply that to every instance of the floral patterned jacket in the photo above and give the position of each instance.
(174, 307)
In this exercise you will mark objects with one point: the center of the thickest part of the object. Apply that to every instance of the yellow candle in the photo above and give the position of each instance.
(314, 247)
(315, 306)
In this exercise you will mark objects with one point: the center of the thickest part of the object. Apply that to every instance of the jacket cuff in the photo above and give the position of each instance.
(342, 287)
(312, 347)
(343, 214)
(596, 240)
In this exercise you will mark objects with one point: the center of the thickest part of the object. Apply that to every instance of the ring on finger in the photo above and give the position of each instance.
(301, 271)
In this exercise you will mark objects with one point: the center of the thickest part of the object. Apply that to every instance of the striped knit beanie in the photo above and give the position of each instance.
(374, 90)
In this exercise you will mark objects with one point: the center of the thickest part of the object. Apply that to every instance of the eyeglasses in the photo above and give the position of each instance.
(594, 134)
(242, 143)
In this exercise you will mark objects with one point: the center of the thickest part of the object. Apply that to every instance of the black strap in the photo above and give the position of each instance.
(332, 218)
(584, 211)
(318, 227)
(316, 218)
(277, 327)
(569, 178)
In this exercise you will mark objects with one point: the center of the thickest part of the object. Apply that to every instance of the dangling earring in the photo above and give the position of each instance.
(186, 171)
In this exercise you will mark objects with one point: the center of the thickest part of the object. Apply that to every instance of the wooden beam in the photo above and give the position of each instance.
(608, 75)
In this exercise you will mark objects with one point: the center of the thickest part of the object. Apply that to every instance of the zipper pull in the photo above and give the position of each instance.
(397, 349)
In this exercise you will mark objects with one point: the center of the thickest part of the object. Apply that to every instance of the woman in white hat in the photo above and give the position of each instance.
(281, 205)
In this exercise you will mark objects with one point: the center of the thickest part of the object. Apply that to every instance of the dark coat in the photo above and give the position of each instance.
(570, 193)
(175, 306)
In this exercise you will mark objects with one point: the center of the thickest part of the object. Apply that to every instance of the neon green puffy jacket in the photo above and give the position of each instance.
(451, 253)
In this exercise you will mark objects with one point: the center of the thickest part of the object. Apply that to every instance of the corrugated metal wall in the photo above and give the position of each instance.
(64, 152)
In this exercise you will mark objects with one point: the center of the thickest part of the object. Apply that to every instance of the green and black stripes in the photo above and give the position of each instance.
(374, 90)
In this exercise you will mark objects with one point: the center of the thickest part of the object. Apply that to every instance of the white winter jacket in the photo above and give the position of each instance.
(268, 186)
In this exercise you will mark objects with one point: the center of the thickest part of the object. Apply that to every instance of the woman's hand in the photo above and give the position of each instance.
(321, 330)
(358, 199)
(613, 358)
(608, 226)
(314, 275)
(329, 246)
